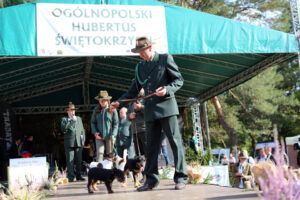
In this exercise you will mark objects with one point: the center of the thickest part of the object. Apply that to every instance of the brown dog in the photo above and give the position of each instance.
(106, 175)
(136, 166)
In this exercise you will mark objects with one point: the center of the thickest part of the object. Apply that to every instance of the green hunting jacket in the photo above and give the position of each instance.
(161, 71)
(124, 137)
(73, 131)
(102, 121)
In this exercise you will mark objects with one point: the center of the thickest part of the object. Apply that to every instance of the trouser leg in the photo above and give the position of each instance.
(78, 159)
(142, 142)
(165, 153)
(70, 162)
(99, 150)
(108, 147)
(120, 151)
(131, 152)
(152, 150)
(170, 127)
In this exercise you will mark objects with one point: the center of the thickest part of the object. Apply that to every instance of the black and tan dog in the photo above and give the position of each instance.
(136, 166)
(106, 175)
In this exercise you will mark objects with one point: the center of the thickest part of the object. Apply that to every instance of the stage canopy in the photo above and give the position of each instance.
(213, 53)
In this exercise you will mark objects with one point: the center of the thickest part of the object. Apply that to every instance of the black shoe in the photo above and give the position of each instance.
(180, 186)
(70, 180)
(80, 178)
(145, 187)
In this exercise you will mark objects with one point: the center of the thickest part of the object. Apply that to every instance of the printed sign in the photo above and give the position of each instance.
(27, 171)
(219, 175)
(86, 30)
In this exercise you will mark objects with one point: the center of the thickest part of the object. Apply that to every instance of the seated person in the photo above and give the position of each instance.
(16, 148)
(231, 159)
(262, 156)
(28, 148)
(249, 159)
(242, 173)
(224, 160)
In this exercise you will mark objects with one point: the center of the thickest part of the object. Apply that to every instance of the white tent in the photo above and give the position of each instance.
(292, 149)
(292, 140)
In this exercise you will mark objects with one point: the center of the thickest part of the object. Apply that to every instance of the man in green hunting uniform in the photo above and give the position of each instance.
(104, 125)
(74, 138)
(159, 74)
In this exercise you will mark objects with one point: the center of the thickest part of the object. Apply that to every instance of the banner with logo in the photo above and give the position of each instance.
(87, 30)
(218, 175)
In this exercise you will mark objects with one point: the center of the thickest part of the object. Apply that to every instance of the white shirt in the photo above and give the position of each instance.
(240, 170)
(232, 160)
(250, 160)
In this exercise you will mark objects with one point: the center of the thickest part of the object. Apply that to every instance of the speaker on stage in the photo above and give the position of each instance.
(7, 135)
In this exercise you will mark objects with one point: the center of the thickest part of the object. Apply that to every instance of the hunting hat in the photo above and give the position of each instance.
(243, 154)
(71, 106)
(103, 94)
(142, 43)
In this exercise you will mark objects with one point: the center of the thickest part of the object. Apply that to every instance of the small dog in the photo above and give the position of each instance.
(119, 162)
(193, 176)
(107, 163)
(136, 166)
(106, 175)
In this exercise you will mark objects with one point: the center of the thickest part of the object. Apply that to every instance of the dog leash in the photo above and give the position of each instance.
(137, 139)
(143, 97)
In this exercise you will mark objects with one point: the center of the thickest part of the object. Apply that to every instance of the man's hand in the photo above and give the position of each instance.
(98, 137)
(161, 91)
(238, 174)
(132, 115)
(114, 105)
(137, 106)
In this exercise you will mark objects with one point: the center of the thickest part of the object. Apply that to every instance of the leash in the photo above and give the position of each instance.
(143, 97)
(139, 98)
(137, 139)
(111, 136)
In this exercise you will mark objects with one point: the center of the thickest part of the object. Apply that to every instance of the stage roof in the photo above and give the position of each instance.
(213, 53)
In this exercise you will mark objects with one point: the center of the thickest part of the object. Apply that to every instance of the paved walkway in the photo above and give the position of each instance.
(165, 191)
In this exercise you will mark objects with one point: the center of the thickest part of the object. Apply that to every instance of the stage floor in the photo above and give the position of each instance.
(165, 191)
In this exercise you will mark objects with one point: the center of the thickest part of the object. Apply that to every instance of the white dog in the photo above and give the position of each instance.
(119, 162)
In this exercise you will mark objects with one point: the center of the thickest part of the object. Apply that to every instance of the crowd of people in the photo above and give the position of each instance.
(23, 148)
(241, 167)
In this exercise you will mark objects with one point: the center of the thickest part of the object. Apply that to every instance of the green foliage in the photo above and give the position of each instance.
(195, 182)
(23, 193)
(165, 173)
(272, 13)
(208, 179)
(55, 174)
(7, 3)
(199, 158)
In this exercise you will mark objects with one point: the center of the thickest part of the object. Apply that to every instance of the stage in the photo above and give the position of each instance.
(165, 191)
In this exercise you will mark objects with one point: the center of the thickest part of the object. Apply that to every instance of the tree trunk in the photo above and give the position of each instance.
(229, 130)
(186, 119)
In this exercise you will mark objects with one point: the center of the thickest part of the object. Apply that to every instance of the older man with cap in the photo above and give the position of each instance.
(104, 125)
(242, 172)
(158, 74)
(74, 138)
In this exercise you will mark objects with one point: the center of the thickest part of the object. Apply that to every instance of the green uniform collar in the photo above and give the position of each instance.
(137, 78)
(155, 57)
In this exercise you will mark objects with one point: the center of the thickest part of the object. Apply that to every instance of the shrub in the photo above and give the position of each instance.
(280, 184)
